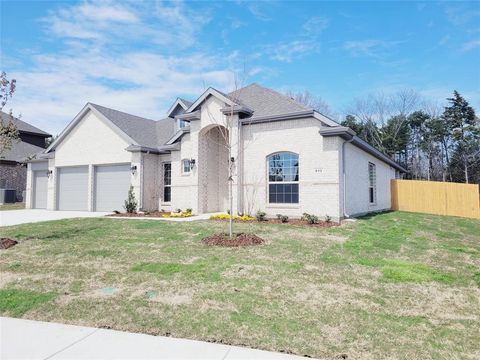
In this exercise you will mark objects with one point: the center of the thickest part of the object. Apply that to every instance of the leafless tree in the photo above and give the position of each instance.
(312, 101)
(8, 130)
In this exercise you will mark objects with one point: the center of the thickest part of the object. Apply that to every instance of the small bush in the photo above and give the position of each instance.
(189, 210)
(178, 210)
(310, 218)
(282, 218)
(260, 215)
(131, 203)
(328, 218)
(146, 213)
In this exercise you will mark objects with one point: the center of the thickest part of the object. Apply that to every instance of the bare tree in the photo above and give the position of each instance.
(312, 101)
(8, 130)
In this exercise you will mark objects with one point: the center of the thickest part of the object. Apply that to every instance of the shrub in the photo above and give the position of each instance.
(131, 203)
(282, 218)
(227, 217)
(260, 216)
(310, 218)
(328, 218)
(178, 210)
(189, 210)
(146, 213)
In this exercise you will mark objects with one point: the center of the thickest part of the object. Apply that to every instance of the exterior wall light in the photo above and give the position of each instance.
(232, 159)
(192, 163)
(49, 173)
(133, 169)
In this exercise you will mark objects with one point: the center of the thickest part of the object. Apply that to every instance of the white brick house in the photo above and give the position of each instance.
(287, 159)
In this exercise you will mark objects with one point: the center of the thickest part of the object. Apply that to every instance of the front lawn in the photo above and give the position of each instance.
(394, 285)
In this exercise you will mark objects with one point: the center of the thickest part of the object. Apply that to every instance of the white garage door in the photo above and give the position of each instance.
(73, 188)
(111, 187)
(40, 189)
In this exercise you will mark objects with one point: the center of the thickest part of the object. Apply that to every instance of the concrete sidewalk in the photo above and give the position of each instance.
(27, 339)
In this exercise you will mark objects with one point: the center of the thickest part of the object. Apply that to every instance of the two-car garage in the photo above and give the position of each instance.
(110, 184)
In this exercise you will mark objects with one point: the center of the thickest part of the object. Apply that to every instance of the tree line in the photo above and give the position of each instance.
(431, 142)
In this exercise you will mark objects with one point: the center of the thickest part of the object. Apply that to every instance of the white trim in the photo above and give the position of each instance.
(208, 92)
(177, 102)
(79, 117)
(326, 120)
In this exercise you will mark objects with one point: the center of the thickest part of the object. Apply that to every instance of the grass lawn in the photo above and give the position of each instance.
(396, 285)
(13, 206)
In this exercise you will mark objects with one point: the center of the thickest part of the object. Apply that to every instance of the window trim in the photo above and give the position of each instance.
(184, 122)
(189, 167)
(268, 182)
(163, 183)
(372, 187)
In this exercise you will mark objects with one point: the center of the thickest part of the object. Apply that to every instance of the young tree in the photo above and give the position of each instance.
(8, 130)
(461, 122)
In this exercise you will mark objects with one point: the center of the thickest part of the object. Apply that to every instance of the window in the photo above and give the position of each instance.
(283, 178)
(182, 124)
(372, 183)
(167, 182)
(186, 166)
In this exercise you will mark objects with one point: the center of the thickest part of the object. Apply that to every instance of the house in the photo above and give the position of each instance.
(31, 140)
(286, 159)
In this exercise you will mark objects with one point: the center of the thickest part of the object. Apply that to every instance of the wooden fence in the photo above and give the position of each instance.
(434, 197)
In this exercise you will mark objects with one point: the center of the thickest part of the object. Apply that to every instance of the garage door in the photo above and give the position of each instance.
(40, 189)
(111, 187)
(73, 188)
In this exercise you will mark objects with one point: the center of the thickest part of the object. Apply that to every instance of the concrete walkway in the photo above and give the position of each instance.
(26, 339)
(16, 217)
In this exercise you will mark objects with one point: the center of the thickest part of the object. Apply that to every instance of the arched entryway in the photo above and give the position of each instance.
(213, 169)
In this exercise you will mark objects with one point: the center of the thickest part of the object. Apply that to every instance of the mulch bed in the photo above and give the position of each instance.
(320, 223)
(6, 243)
(151, 214)
(241, 239)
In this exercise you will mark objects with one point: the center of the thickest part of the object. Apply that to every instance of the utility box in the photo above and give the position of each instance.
(7, 196)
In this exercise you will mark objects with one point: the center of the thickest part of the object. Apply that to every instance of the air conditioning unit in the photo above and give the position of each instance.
(7, 196)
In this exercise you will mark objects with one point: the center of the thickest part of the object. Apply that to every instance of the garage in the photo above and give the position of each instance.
(111, 186)
(72, 188)
(40, 189)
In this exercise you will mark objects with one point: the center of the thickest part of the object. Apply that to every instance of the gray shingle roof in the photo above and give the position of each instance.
(145, 132)
(186, 102)
(22, 126)
(265, 101)
(20, 151)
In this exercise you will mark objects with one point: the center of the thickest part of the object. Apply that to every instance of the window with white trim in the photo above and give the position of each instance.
(167, 182)
(283, 170)
(182, 124)
(186, 166)
(372, 183)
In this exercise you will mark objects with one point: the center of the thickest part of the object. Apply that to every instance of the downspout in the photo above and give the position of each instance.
(239, 167)
(345, 215)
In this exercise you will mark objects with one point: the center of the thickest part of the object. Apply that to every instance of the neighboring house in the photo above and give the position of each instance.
(289, 159)
(13, 171)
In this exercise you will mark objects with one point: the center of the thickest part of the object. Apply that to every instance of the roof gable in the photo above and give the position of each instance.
(179, 106)
(211, 92)
(23, 126)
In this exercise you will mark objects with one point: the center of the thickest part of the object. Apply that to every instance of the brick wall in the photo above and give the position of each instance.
(15, 177)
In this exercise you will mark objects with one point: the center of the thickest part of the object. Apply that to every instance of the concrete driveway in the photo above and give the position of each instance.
(15, 217)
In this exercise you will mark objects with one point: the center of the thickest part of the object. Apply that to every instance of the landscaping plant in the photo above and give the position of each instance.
(260, 215)
(131, 203)
(310, 218)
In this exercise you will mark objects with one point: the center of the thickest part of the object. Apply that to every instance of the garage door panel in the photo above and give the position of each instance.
(73, 188)
(112, 183)
(40, 189)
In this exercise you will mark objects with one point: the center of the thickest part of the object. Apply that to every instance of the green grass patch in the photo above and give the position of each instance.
(16, 302)
(100, 253)
(403, 271)
(197, 270)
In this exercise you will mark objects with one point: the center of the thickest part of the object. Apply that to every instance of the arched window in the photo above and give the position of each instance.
(283, 173)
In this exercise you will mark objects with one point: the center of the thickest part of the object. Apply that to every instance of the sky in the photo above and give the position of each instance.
(139, 56)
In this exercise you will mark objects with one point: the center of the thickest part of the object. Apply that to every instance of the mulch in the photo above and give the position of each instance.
(241, 239)
(6, 243)
(151, 214)
(320, 223)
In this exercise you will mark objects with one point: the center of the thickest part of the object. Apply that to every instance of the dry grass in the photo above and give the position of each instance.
(396, 285)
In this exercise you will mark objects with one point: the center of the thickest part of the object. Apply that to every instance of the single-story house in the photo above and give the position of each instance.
(13, 170)
(286, 158)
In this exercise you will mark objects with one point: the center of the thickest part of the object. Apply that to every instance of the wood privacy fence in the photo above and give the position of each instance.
(434, 197)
